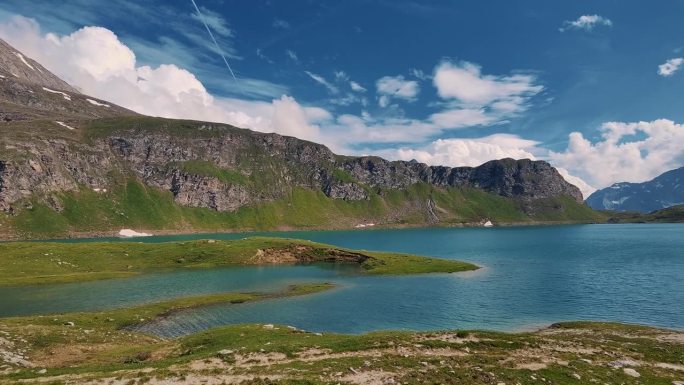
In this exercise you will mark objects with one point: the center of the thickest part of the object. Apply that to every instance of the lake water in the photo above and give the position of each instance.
(531, 276)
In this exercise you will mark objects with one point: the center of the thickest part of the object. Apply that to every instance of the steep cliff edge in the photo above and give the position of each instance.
(70, 163)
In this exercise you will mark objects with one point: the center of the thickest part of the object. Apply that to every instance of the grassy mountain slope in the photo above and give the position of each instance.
(134, 205)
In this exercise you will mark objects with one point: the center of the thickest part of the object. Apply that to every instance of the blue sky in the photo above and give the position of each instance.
(363, 71)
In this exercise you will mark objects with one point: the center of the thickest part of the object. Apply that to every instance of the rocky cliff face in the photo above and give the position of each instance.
(59, 141)
(525, 179)
(225, 168)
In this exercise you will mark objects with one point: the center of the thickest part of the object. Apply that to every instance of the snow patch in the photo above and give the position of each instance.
(20, 56)
(362, 225)
(2, 76)
(100, 190)
(64, 94)
(64, 125)
(96, 103)
(128, 233)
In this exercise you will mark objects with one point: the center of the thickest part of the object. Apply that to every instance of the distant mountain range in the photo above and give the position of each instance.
(75, 164)
(663, 191)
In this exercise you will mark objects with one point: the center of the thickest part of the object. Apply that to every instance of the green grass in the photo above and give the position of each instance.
(34, 263)
(120, 318)
(131, 204)
(564, 352)
(209, 169)
(342, 176)
(564, 209)
(101, 128)
(399, 264)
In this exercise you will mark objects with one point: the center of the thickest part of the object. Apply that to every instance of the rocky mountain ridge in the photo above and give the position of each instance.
(57, 146)
(661, 192)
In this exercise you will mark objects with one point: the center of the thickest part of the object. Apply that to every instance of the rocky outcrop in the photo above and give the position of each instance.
(197, 191)
(346, 191)
(525, 179)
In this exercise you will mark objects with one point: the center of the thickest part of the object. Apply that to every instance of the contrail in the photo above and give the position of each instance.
(214, 40)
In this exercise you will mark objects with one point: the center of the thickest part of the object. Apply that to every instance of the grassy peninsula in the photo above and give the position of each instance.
(35, 263)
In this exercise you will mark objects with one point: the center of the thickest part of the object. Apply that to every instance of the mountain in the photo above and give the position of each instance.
(663, 191)
(71, 164)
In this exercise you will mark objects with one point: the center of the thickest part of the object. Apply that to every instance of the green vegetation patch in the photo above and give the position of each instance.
(572, 353)
(343, 176)
(132, 204)
(209, 169)
(34, 263)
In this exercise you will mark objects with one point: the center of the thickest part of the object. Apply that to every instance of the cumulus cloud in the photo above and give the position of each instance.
(389, 87)
(586, 22)
(477, 99)
(670, 67)
(503, 97)
(465, 83)
(631, 152)
(95, 61)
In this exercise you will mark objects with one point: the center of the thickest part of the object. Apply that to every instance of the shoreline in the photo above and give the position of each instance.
(114, 234)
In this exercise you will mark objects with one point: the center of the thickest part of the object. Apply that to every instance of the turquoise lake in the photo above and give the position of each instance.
(531, 277)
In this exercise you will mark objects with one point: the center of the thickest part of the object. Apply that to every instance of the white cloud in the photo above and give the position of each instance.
(341, 76)
(670, 67)
(357, 87)
(322, 81)
(292, 55)
(215, 21)
(465, 83)
(389, 87)
(459, 118)
(419, 74)
(631, 152)
(586, 22)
